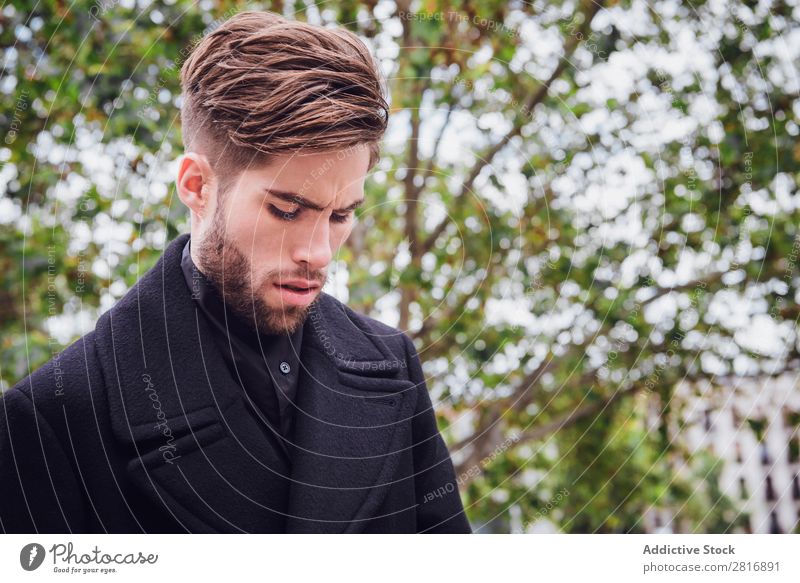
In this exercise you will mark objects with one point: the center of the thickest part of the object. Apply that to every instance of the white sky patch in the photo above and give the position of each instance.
(615, 185)
(70, 190)
(510, 311)
(729, 309)
(613, 79)
(542, 43)
(386, 309)
(763, 335)
(64, 327)
(10, 211)
(336, 285)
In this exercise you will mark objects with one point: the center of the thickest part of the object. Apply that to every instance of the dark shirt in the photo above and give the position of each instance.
(267, 366)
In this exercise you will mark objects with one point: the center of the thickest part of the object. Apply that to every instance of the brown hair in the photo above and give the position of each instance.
(261, 85)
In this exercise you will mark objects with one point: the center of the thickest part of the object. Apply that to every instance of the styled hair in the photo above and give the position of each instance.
(260, 85)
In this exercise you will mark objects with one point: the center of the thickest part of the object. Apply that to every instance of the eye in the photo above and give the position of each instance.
(282, 214)
(341, 217)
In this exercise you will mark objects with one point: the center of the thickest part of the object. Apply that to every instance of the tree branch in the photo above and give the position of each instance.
(695, 283)
(533, 100)
(428, 170)
(540, 432)
(571, 417)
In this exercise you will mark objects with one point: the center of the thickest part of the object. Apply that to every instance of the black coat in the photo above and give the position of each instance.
(139, 427)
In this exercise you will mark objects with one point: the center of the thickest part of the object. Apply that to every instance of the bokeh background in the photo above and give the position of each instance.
(585, 216)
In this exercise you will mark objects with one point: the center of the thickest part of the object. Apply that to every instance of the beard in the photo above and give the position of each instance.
(231, 272)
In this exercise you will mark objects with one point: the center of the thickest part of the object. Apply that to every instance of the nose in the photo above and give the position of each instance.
(315, 249)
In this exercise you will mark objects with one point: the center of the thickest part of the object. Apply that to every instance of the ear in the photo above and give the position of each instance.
(196, 185)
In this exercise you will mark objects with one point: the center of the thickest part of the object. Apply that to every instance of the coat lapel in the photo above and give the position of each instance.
(196, 449)
(351, 426)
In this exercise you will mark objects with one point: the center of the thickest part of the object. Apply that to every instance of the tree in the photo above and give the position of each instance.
(580, 205)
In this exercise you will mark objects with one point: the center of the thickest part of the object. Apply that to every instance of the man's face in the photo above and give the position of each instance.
(270, 241)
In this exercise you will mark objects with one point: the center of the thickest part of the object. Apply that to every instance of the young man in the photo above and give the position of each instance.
(226, 392)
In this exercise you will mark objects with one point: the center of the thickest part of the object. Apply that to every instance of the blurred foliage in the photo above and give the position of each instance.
(583, 205)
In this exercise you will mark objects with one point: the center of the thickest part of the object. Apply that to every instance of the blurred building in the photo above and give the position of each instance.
(752, 427)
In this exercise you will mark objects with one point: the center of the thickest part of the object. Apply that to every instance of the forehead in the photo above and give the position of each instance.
(320, 176)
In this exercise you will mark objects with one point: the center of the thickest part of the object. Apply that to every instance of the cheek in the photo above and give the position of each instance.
(263, 230)
(339, 234)
(242, 226)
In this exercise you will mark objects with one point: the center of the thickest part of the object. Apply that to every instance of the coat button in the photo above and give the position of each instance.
(285, 368)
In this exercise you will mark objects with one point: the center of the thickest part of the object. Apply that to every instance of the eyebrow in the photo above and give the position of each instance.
(295, 198)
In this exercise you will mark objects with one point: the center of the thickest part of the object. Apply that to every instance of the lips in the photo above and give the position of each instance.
(299, 285)
(297, 292)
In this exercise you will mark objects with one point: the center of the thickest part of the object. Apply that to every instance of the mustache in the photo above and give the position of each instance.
(318, 277)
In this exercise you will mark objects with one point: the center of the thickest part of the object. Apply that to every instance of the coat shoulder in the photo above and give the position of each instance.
(69, 383)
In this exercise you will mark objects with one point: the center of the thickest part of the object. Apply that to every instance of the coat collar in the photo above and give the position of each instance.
(175, 406)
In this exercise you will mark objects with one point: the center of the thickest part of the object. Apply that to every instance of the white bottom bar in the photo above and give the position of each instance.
(389, 558)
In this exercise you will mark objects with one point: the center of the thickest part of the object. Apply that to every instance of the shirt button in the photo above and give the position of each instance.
(285, 368)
